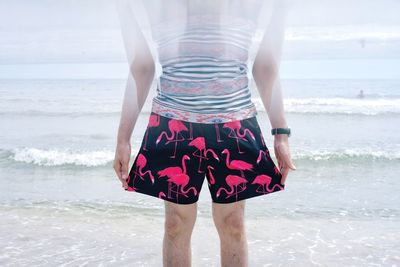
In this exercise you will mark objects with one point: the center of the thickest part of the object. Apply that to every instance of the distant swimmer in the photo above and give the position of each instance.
(361, 94)
(362, 42)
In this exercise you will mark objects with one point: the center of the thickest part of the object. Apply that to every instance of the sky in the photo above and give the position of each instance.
(81, 38)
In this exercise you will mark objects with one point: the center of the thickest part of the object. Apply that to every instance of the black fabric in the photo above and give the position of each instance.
(168, 166)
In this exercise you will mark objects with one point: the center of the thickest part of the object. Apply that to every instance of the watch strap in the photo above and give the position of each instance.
(275, 131)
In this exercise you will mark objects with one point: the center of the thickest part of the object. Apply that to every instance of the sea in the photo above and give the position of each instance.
(61, 203)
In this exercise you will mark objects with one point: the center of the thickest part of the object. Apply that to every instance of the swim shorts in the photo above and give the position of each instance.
(175, 156)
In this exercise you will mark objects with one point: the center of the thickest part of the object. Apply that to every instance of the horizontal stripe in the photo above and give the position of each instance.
(202, 79)
(237, 35)
(200, 103)
(204, 111)
(197, 58)
(194, 68)
(210, 97)
(211, 108)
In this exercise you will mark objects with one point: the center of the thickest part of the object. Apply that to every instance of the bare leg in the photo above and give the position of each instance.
(179, 224)
(229, 221)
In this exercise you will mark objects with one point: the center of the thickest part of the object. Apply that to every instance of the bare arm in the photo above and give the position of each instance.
(140, 74)
(137, 89)
(266, 68)
(266, 76)
(140, 77)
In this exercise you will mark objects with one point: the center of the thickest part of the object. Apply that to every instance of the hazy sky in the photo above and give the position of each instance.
(100, 13)
(87, 31)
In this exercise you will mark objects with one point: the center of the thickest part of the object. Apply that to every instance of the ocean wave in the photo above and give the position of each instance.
(371, 105)
(62, 113)
(58, 157)
(338, 105)
(99, 158)
(343, 33)
(345, 154)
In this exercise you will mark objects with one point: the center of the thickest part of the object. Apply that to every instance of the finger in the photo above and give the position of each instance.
(125, 173)
(281, 163)
(284, 172)
(284, 175)
(282, 166)
(117, 169)
(124, 169)
(124, 184)
(287, 161)
(278, 158)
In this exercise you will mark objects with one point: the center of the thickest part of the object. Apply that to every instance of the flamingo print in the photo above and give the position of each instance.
(265, 153)
(181, 179)
(261, 135)
(227, 169)
(200, 144)
(130, 188)
(260, 153)
(264, 180)
(175, 127)
(237, 164)
(235, 127)
(161, 195)
(154, 121)
(140, 164)
(212, 180)
(233, 182)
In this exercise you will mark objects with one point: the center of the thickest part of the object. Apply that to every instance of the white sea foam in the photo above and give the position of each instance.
(343, 33)
(58, 157)
(353, 153)
(335, 105)
(338, 105)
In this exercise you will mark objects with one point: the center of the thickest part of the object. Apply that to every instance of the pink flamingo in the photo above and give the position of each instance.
(175, 127)
(212, 180)
(233, 182)
(200, 144)
(181, 180)
(140, 164)
(265, 180)
(260, 153)
(237, 164)
(173, 171)
(265, 153)
(154, 121)
(235, 127)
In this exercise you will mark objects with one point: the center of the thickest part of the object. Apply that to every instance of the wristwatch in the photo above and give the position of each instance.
(275, 131)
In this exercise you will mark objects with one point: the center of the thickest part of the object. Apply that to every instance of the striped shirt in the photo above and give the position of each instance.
(203, 49)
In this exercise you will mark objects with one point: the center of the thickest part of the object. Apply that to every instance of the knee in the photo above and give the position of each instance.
(232, 225)
(176, 226)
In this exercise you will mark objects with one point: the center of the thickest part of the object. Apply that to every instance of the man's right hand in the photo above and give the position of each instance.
(121, 162)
